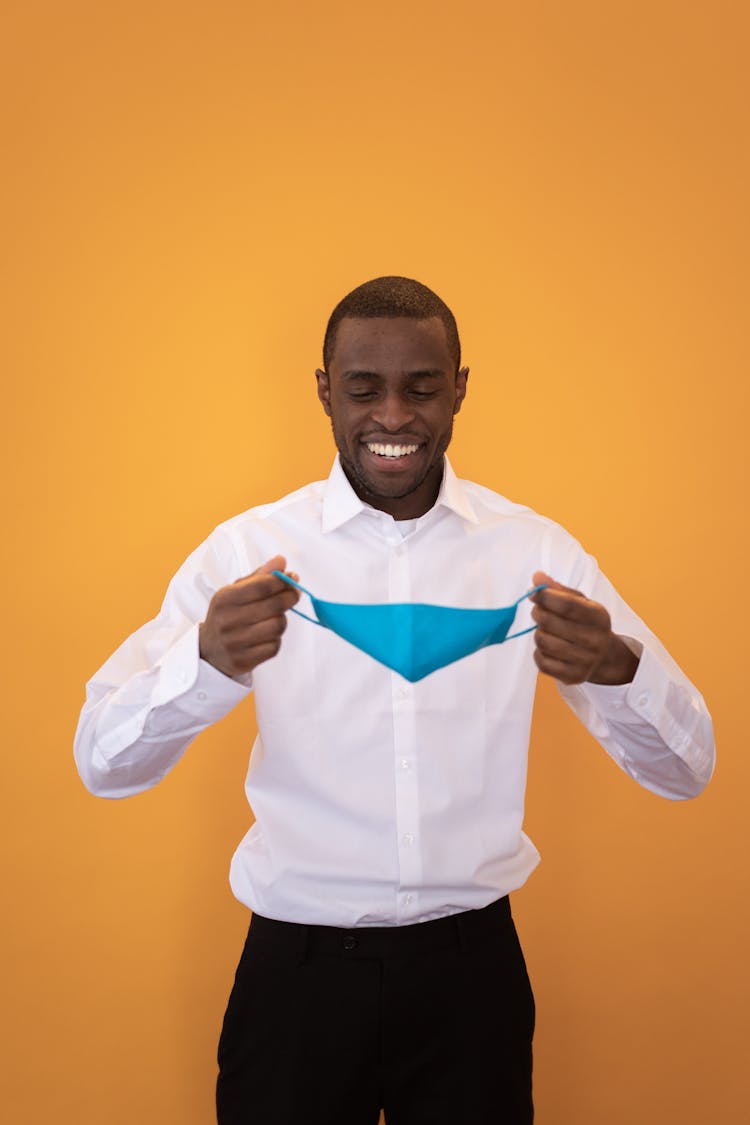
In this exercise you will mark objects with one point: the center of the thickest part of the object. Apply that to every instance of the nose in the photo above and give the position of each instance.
(393, 413)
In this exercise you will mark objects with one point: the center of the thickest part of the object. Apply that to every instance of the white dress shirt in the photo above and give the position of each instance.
(378, 801)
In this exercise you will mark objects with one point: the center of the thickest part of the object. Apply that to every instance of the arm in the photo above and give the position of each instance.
(623, 685)
(181, 672)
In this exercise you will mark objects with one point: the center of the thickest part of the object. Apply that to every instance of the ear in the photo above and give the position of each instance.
(461, 379)
(324, 390)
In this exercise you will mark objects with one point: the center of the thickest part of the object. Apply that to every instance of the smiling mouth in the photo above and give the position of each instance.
(391, 452)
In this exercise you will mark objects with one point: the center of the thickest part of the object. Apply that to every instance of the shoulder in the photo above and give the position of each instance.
(265, 530)
(523, 531)
(238, 545)
(491, 506)
(298, 504)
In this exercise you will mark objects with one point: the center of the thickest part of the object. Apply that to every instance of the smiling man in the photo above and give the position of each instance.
(382, 967)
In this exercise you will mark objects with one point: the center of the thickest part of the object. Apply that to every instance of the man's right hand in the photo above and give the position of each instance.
(245, 621)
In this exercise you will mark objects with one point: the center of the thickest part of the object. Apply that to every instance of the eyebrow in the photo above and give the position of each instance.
(431, 373)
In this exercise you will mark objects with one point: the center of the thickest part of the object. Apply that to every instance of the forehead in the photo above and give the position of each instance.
(381, 344)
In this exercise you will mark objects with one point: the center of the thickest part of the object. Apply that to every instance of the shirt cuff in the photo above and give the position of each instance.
(194, 686)
(643, 699)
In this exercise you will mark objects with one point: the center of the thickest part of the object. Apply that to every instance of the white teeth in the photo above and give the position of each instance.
(391, 450)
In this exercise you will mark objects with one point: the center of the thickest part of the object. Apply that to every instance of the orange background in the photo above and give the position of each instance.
(188, 189)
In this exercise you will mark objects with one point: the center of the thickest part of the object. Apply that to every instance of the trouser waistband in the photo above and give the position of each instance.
(464, 930)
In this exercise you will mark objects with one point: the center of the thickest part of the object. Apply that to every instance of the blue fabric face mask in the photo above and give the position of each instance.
(412, 638)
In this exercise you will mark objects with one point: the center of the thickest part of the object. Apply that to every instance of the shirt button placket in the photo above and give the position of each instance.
(404, 748)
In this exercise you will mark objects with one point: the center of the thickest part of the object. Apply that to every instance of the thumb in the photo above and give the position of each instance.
(278, 562)
(541, 578)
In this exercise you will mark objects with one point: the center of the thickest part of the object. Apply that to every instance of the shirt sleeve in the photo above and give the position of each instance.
(656, 728)
(154, 695)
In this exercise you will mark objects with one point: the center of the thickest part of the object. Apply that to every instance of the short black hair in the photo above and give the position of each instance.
(392, 296)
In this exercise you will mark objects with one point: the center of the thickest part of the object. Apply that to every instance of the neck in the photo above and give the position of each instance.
(412, 505)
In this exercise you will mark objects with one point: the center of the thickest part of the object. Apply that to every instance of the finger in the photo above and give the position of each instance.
(541, 578)
(570, 605)
(559, 669)
(241, 609)
(278, 562)
(261, 587)
(574, 619)
(576, 649)
(250, 658)
(248, 637)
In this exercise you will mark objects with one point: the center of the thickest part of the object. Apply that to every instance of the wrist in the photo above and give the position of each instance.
(618, 666)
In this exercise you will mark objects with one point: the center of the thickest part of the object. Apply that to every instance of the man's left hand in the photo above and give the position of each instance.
(574, 639)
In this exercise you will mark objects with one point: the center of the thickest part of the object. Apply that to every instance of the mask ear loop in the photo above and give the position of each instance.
(290, 582)
(531, 628)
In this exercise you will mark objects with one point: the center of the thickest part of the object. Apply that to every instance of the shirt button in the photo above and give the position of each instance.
(407, 839)
(202, 695)
(349, 942)
(405, 764)
(643, 699)
(408, 900)
(403, 692)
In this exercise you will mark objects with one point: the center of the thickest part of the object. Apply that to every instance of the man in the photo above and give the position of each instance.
(382, 968)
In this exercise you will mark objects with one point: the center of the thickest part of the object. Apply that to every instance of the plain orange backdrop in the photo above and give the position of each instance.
(187, 190)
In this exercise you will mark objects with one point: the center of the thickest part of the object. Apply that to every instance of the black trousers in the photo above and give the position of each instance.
(432, 1023)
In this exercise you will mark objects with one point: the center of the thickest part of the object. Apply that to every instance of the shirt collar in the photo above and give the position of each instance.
(341, 503)
(454, 495)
